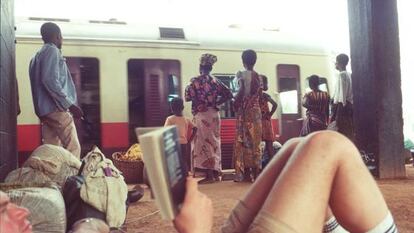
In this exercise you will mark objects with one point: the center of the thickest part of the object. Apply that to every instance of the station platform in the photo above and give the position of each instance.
(143, 216)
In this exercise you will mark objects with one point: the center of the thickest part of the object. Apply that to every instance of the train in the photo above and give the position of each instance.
(126, 73)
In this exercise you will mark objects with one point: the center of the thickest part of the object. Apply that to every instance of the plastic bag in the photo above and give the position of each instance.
(104, 187)
(27, 174)
(46, 206)
(46, 163)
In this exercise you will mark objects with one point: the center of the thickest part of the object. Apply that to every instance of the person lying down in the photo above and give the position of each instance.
(13, 219)
(311, 185)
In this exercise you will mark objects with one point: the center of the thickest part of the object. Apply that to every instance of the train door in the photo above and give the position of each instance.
(228, 123)
(290, 95)
(85, 74)
(152, 83)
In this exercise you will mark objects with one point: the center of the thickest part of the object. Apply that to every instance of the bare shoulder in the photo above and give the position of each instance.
(170, 118)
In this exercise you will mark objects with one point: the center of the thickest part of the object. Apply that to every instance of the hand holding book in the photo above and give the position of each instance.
(176, 194)
(165, 167)
(196, 213)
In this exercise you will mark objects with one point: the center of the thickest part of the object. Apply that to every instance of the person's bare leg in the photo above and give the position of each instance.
(259, 191)
(326, 168)
(241, 217)
(328, 214)
(269, 148)
(331, 225)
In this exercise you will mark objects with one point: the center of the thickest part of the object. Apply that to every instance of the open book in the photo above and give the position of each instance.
(165, 167)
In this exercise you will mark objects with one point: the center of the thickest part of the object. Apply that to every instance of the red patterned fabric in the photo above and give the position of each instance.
(267, 129)
(317, 105)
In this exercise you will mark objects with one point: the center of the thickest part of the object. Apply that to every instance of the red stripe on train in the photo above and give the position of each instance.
(28, 137)
(275, 125)
(113, 135)
(228, 130)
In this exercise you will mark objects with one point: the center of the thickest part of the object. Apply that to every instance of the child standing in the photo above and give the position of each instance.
(267, 129)
(183, 125)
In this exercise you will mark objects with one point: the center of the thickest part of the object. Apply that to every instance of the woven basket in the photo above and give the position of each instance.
(131, 170)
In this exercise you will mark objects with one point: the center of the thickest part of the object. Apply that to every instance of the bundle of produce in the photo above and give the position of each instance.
(130, 164)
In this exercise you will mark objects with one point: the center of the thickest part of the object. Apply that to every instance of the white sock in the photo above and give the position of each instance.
(386, 226)
(332, 226)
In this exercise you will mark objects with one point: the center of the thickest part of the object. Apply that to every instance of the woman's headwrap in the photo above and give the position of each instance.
(208, 59)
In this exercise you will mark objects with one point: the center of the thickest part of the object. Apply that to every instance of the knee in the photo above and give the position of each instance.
(326, 138)
(330, 142)
(293, 142)
(289, 145)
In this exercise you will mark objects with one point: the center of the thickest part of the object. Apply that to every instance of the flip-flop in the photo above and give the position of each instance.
(206, 181)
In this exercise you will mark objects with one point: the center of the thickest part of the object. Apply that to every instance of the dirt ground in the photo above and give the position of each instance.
(143, 216)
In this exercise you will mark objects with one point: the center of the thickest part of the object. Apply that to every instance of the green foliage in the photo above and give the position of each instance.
(408, 144)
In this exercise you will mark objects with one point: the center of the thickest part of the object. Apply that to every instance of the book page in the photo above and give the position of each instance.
(153, 154)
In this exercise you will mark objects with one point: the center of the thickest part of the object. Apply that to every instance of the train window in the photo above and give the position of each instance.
(226, 109)
(173, 87)
(323, 85)
(288, 95)
(289, 88)
(289, 101)
(85, 75)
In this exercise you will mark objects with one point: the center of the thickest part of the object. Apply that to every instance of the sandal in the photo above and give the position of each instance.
(206, 181)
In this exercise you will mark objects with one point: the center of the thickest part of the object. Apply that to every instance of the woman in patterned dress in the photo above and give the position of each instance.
(267, 130)
(317, 104)
(247, 154)
(206, 93)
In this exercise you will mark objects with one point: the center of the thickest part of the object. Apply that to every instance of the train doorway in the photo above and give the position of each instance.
(152, 83)
(85, 75)
(228, 123)
(288, 77)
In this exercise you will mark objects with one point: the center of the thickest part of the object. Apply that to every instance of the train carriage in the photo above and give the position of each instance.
(125, 74)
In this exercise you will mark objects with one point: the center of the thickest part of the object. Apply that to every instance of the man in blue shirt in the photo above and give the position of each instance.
(53, 91)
